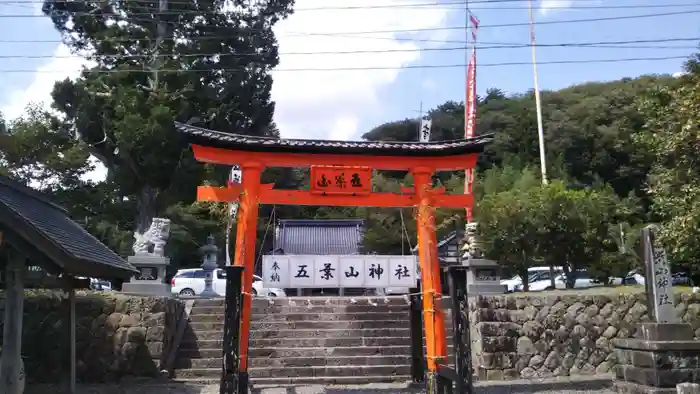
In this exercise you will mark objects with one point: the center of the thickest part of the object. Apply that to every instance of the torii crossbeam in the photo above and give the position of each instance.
(340, 176)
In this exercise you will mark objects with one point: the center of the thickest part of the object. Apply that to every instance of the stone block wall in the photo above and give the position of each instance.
(116, 335)
(543, 336)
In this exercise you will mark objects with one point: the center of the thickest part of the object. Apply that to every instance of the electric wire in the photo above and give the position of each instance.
(356, 34)
(249, 69)
(416, 30)
(430, 5)
(600, 44)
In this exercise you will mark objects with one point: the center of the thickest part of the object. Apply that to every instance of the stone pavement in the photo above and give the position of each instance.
(599, 384)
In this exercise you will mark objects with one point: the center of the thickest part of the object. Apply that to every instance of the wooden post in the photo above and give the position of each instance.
(12, 332)
(72, 323)
(245, 256)
(232, 330)
(461, 335)
(433, 316)
(417, 355)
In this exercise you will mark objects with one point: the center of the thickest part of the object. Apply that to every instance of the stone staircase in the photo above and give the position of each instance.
(305, 340)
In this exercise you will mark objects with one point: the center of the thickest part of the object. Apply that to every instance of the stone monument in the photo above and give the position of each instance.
(483, 276)
(663, 352)
(149, 259)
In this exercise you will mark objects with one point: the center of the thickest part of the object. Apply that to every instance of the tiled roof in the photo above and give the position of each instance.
(319, 237)
(445, 241)
(40, 218)
(202, 136)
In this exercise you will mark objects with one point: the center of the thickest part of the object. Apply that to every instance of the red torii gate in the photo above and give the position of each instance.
(351, 165)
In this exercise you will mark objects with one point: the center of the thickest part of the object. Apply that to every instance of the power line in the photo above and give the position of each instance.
(431, 6)
(599, 44)
(439, 5)
(499, 44)
(135, 15)
(406, 67)
(417, 30)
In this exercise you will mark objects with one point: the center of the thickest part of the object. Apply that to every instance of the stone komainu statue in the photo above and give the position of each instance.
(153, 240)
(472, 244)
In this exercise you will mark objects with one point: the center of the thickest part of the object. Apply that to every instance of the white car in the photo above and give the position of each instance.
(583, 281)
(190, 282)
(515, 283)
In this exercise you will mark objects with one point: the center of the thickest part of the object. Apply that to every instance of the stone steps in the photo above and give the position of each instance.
(302, 340)
(310, 352)
(261, 383)
(286, 309)
(303, 333)
(386, 371)
(398, 301)
(307, 316)
(306, 325)
(319, 361)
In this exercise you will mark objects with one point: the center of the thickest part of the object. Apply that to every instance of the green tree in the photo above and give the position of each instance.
(508, 225)
(214, 64)
(33, 150)
(671, 133)
(575, 230)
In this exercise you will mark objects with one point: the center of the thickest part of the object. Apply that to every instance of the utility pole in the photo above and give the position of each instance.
(538, 103)
(160, 36)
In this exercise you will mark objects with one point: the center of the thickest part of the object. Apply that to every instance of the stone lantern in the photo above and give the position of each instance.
(483, 276)
(209, 264)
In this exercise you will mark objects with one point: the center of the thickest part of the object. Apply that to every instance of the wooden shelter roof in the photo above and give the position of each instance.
(217, 139)
(42, 229)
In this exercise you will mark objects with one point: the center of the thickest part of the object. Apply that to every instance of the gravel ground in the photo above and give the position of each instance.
(584, 385)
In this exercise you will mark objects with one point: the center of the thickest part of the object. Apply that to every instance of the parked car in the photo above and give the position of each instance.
(681, 279)
(515, 283)
(636, 277)
(97, 284)
(539, 276)
(100, 285)
(583, 281)
(190, 282)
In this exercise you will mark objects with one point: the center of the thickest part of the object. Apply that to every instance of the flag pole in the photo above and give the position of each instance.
(538, 103)
(470, 99)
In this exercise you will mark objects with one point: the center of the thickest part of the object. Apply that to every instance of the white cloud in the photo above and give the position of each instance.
(549, 6)
(39, 91)
(331, 104)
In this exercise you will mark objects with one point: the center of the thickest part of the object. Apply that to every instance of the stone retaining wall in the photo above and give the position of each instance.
(116, 335)
(544, 336)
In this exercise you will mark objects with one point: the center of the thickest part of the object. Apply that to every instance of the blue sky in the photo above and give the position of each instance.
(345, 104)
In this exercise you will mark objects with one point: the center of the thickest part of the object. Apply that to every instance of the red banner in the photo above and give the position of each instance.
(470, 110)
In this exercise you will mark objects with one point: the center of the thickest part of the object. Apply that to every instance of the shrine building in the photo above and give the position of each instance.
(319, 237)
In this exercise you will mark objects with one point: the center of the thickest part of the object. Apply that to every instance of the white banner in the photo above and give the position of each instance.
(308, 271)
(234, 178)
(426, 125)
